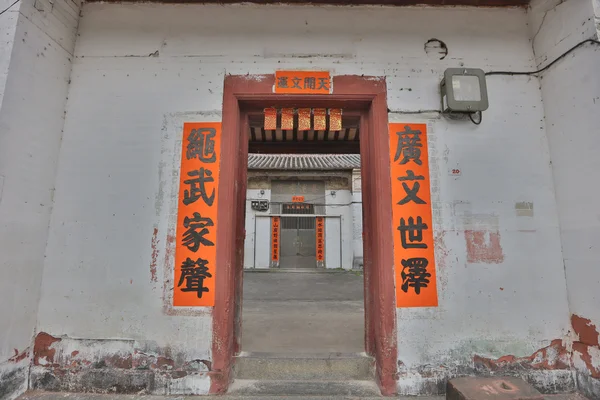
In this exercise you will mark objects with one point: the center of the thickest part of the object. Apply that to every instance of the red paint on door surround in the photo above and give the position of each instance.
(366, 95)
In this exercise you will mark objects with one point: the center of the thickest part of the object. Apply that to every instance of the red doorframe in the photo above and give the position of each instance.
(243, 94)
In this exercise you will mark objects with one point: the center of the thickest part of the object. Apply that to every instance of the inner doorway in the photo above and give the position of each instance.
(243, 95)
(298, 234)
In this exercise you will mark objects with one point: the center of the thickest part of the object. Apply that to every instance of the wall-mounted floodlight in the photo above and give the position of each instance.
(464, 91)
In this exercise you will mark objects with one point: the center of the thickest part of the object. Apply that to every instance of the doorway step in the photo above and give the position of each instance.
(271, 374)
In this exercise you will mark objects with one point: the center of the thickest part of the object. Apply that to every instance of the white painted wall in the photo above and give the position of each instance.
(257, 245)
(8, 27)
(571, 94)
(339, 251)
(113, 164)
(357, 222)
(263, 246)
(35, 64)
(333, 244)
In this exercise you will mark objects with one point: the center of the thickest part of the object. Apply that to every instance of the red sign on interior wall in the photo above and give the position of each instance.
(275, 235)
(320, 238)
(303, 82)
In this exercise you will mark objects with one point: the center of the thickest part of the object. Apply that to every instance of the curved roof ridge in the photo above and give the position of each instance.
(304, 161)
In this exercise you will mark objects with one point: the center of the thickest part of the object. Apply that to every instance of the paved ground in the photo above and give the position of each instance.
(77, 396)
(303, 312)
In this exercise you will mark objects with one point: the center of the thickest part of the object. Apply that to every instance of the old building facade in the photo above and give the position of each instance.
(94, 100)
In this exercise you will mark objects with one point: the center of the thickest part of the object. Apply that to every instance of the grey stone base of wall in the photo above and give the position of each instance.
(588, 386)
(13, 379)
(434, 383)
(111, 380)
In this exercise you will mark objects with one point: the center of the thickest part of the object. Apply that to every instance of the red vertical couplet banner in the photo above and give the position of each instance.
(414, 259)
(320, 238)
(195, 250)
(275, 234)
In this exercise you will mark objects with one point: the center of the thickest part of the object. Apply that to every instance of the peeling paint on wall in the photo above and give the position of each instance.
(586, 331)
(154, 255)
(554, 356)
(586, 353)
(483, 238)
(115, 366)
(484, 247)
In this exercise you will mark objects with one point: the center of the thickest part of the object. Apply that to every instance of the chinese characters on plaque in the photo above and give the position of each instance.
(302, 82)
(195, 252)
(411, 210)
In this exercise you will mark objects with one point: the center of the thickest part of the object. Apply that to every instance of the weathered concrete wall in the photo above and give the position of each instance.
(116, 285)
(35, 64)
(571, 94)
(501, 309)
(501, 279)
(8, 27)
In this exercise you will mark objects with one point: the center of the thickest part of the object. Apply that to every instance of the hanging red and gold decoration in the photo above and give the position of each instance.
(287, 118)
(304, 119)
(335, 119)
(320, 119)
(270, 119)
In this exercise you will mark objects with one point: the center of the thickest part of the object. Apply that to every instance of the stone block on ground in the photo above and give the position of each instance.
(491, 388)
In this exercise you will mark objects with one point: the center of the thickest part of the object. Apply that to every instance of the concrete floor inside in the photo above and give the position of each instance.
(303, 312)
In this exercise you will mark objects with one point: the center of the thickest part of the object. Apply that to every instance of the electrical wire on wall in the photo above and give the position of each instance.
(9, 7)
(593, 41)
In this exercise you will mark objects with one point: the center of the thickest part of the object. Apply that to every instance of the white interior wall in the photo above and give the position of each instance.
(338, 231)
(137, 63)
(571, 95)
(262, 256)
(8, 27)
(255, 239)
(357, 229)
(35, 64)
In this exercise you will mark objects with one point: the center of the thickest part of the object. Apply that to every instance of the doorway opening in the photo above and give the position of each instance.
(299, 225)
(303, 283)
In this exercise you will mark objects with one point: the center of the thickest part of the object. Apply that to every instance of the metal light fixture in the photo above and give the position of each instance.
(464, 91)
